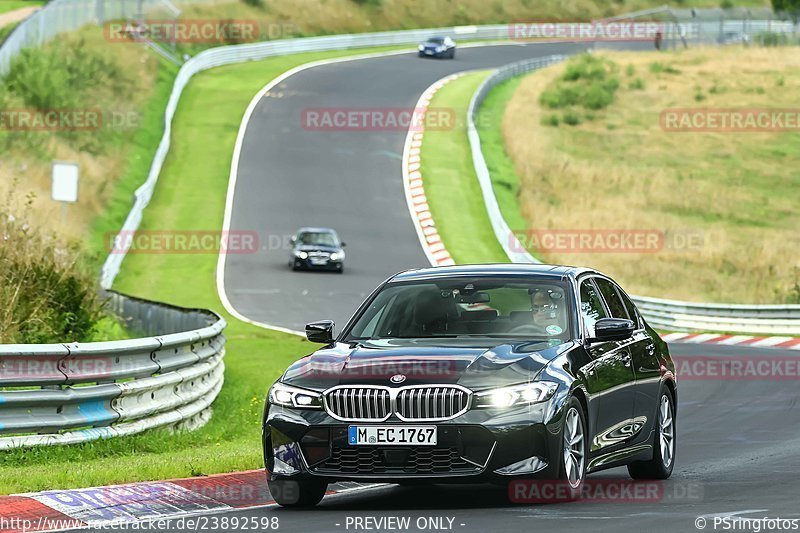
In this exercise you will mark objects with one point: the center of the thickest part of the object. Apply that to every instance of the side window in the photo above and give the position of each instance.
(632, 311)
(591, 306)
(612, 298)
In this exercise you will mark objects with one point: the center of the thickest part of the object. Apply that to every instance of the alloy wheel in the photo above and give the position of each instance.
(573, 448)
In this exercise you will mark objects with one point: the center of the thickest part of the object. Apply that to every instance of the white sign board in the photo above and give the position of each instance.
(65, 181)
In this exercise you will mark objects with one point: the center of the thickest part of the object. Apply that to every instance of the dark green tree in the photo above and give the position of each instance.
(792, 7)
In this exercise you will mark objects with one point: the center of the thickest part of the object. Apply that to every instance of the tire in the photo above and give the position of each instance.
(664, 440)
(572, 463)
(452, 53)
(301, 493)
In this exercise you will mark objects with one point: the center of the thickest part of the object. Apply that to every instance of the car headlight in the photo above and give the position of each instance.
(288, 396)
(337, 256)
(421, 47)
(527, 393)
(301, 254)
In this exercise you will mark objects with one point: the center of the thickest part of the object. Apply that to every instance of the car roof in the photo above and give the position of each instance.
(316, 230)
(498, 269)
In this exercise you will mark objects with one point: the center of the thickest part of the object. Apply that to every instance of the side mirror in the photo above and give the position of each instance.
(294, 238)
(343, 244)
(613, 329)
(321, 331)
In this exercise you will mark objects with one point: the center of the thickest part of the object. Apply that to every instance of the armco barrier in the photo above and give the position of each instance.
(69, 393)
(669, 315)
(226, 55)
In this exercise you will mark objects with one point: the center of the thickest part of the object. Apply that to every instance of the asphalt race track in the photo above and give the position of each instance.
(348, 180)
(738, 441)
(737, 455)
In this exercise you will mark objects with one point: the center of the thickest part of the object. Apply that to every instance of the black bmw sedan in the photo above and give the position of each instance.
(483, 373)
(317, 249)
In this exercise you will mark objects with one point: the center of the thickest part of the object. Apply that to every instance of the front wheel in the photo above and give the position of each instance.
(572, 466)
(300, 493)
(660, 466)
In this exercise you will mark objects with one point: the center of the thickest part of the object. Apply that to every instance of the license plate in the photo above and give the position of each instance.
(319, 261)
(391, 435)
(429, 52)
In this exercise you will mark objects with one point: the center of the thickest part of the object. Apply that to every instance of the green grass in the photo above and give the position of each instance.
(12, 5)
(190, 195)
(142, 148)
(505, 180)
(451, 186)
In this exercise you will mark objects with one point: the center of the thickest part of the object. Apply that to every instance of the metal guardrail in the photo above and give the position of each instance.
(61, 16)
(670, 315)
(52, 394)
(226, 55)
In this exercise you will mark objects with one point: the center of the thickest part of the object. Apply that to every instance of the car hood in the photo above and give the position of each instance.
(317, 248)
(375, 364)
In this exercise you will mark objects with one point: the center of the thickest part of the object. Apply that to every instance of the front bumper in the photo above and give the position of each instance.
(309, 444)
(323, 264)
(433, 53)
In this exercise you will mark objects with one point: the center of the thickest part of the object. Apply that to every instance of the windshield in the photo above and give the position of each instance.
(318, 238)
(436, 40)
(475, 307)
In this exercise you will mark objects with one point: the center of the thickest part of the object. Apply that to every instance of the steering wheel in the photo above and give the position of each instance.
(532, 329)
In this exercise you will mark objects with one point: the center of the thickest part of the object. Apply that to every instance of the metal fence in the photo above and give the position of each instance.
(226, 55)
(62, 16)
(670, 315)
(53, 394)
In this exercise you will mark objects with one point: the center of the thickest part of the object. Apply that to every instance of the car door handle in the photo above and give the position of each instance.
(626, 360)
(651, 349)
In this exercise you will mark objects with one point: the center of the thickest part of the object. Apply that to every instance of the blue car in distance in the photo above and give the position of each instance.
(438, 47)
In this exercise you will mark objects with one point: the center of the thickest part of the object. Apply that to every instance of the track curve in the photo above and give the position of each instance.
(738, 440)
(290, 177)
